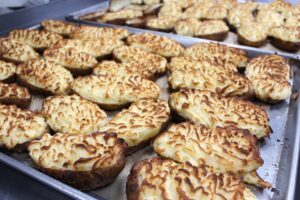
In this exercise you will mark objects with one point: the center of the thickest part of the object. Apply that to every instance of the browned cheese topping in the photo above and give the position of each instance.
(222, 54)
(14, 51)
(7, 70)
(94, 33)
(70, 58)
(211, 110)
(157, 44)
(58, 26)
(203, 74)
(142, 121)
(158, 178)
(45, 75)
(19, 126)
(106, 68)
(73, 114)
(77, 152)
(113, 90)
(149, 65)
(39, 39)
(270, 77)
(162, 23)
(97, 48)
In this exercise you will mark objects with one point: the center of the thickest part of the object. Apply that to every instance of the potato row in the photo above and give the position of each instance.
(254, 23)
(207, 133)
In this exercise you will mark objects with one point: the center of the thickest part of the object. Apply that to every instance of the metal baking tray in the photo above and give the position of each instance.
(231, 40)
(279, 152)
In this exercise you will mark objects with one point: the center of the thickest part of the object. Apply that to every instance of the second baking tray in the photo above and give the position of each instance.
(279, 152)
(231, 39)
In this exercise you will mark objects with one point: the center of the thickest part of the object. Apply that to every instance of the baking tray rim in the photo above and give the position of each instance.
(77, 194)
(74, 16)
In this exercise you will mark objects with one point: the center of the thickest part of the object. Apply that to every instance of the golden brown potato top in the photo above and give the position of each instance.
(19, 126)
(77, 152)
(73, 114)
(157, 178)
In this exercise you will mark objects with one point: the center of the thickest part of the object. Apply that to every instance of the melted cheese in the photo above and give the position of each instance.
(19, 126)
(142, 121)
(157, 44)
(77, 152)
(35, 38)
(73, 114)
(211, 110)
(205, 75)
(46, 75)
(6, 70)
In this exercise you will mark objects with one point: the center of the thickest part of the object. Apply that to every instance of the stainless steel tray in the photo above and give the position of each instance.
(279, 152)
(231, 39)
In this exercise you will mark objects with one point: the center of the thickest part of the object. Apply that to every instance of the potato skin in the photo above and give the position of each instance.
(87, 180)
(246, 42)
(285, 45)
(21, 103)
(33, 88)
(216, 36)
